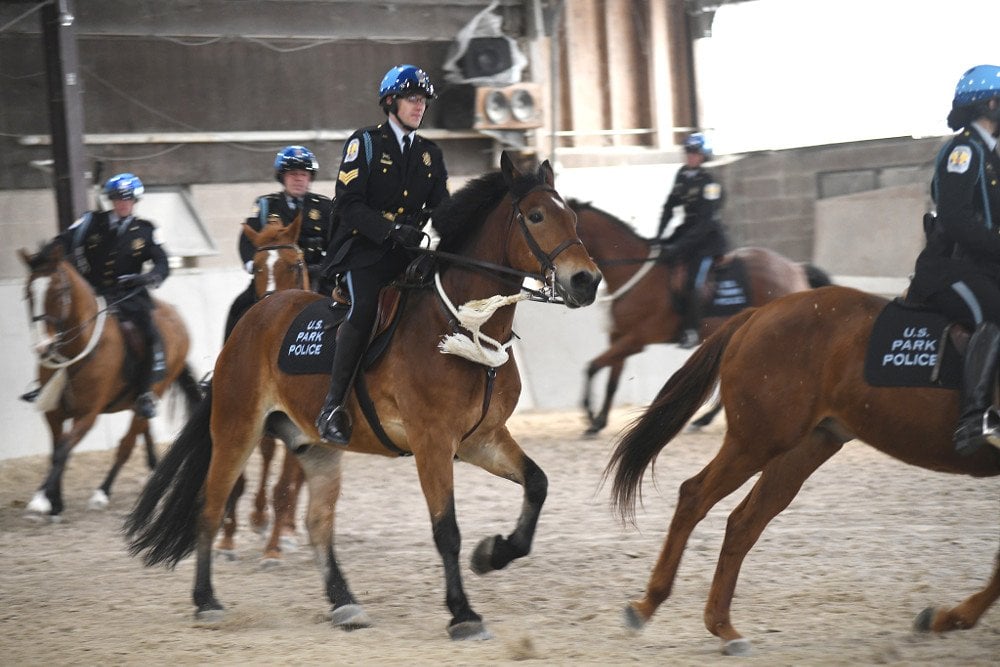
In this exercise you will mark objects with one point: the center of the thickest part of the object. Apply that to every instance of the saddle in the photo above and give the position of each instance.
(913, 345)
(726, 290)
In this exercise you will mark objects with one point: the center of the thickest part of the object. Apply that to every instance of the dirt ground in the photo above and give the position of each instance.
(836, 579)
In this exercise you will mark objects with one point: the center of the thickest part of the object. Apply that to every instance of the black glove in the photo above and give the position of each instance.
(669, 251)
(406, 236)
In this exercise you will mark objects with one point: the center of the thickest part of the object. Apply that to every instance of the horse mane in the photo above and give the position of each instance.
(578, 206)
(459, 217)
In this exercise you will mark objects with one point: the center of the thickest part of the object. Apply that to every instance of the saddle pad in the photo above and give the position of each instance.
(732, 290)
(309, 342)
(905, 349)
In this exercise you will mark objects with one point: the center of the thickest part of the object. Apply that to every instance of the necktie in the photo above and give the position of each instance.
(406, 146)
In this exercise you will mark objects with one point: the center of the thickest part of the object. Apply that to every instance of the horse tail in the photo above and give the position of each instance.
(816, 276)
(162, 527)
(190, 387)
(674, 405)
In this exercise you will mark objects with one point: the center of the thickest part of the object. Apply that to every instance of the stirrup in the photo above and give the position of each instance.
(991, 426)
(689, 339)
(330, 432)
(145, 405)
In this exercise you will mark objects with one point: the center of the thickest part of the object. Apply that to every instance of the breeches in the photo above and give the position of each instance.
(970, 300)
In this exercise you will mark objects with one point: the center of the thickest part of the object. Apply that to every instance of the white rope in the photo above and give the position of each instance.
(471, 316)
(654, 252)
(61, 362)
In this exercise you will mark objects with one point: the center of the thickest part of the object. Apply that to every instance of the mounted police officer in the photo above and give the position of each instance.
(110, 249)
(700, 238)
(295, 167)
(958, 271)
(390, 180)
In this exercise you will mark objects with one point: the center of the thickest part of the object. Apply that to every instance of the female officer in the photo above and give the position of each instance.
(958, 271)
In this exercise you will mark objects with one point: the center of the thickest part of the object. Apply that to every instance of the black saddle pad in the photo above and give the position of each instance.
(909, 347)
(309, 342)
(732, 290)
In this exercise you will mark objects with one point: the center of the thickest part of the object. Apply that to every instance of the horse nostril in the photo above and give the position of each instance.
(585, 281)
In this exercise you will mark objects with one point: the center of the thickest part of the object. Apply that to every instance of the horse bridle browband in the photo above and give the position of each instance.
(299, 265)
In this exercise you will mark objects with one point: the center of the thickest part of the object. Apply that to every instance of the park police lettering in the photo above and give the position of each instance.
(915, 348)
(309, 341)
(730, 293)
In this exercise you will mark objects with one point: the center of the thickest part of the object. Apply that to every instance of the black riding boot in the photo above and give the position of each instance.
(155, 369)
(334, 422)
(691, 321)
(979, 421)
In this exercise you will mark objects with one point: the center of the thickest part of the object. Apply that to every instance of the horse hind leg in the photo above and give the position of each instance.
(101, 497)
(258, 517)
(779, 483)
(226, 545)
(284, 500)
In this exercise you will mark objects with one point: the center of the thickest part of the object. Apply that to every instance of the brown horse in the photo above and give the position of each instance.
(84, 361)
(793, 387)
(443, 389)
(642, 309)
(278, 264)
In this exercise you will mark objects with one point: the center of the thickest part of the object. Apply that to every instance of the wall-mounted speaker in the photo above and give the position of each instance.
(517, 106)
(486, 56)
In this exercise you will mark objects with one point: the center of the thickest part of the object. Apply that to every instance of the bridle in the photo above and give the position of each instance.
(299, 266)
(49, 355)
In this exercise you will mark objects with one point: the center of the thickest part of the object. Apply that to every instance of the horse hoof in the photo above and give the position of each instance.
(469, 631)
(271, 562)
(209, 615)
(924, 619)
(39, 504)
(289, 543)
(632, 619)
(227, 554)
(350, 617)
(739, 646)
(98, 501)
(481, 557)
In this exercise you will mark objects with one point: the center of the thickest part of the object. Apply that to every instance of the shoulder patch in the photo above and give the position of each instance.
(351, 152)
(712, 191)
(958, 159)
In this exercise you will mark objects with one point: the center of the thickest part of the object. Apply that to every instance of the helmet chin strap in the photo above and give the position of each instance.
(394, 110)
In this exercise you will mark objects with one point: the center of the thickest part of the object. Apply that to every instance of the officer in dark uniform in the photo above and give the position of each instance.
(295, 167)
(958, 271)
(700, 238)
(389, 182)
(110, 248)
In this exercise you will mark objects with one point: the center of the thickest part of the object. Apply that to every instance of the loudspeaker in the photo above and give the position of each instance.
(486, 56)
(517, 106)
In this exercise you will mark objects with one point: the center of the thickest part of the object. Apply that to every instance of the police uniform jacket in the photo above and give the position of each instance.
(964, 239)
(701, 233)
(103, 253)
(314, 236)
(377, 189)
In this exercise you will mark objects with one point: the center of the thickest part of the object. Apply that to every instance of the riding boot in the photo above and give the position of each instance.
(334, 421)
(154, 369)
(691, 322)
(979, 421)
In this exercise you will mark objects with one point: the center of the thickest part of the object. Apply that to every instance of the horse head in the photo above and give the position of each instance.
(48, 292)
(278, 262)
(548, 243)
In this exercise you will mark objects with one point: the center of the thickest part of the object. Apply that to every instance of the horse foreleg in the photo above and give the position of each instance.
(48, 499)
(101, 496)
(777, 486)
(227, 543)
(731, 467)
(965, 615)
(258, 517)
(435, 468)
(322, 469)
(613, 358)
(284, 499)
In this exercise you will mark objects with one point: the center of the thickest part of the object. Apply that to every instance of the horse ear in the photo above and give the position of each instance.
(510, 172)
(546, 174)
(25, 256)
(291, 232)
(251, 234)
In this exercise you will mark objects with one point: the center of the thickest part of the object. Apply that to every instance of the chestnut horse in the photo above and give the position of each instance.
(443, 389)
(278, 264)
(642, 309)
(792, 383)
(84, 359)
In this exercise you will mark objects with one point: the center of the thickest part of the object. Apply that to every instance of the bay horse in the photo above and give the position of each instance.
(84, 359)
(791, 376)
(498, 230)
(278, 264)
(642, 309)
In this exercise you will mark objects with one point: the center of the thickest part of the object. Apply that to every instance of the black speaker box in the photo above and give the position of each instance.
(486, 56)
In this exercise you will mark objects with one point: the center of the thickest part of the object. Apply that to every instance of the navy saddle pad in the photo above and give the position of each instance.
(732, 290)
(909, 347)
(309, 342)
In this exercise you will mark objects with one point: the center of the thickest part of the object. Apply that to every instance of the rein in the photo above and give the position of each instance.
(52, 358)
(648, 263)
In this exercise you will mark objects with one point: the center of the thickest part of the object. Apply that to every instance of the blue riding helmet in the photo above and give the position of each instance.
(124, 186)
(979, 84)
(698, 143)
(291, 158)
(403, 80)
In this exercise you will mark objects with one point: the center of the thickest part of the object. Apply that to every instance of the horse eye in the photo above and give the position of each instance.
(536, 216)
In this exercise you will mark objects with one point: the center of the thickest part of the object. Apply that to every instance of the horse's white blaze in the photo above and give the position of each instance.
(272, 259)
(39, 503)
